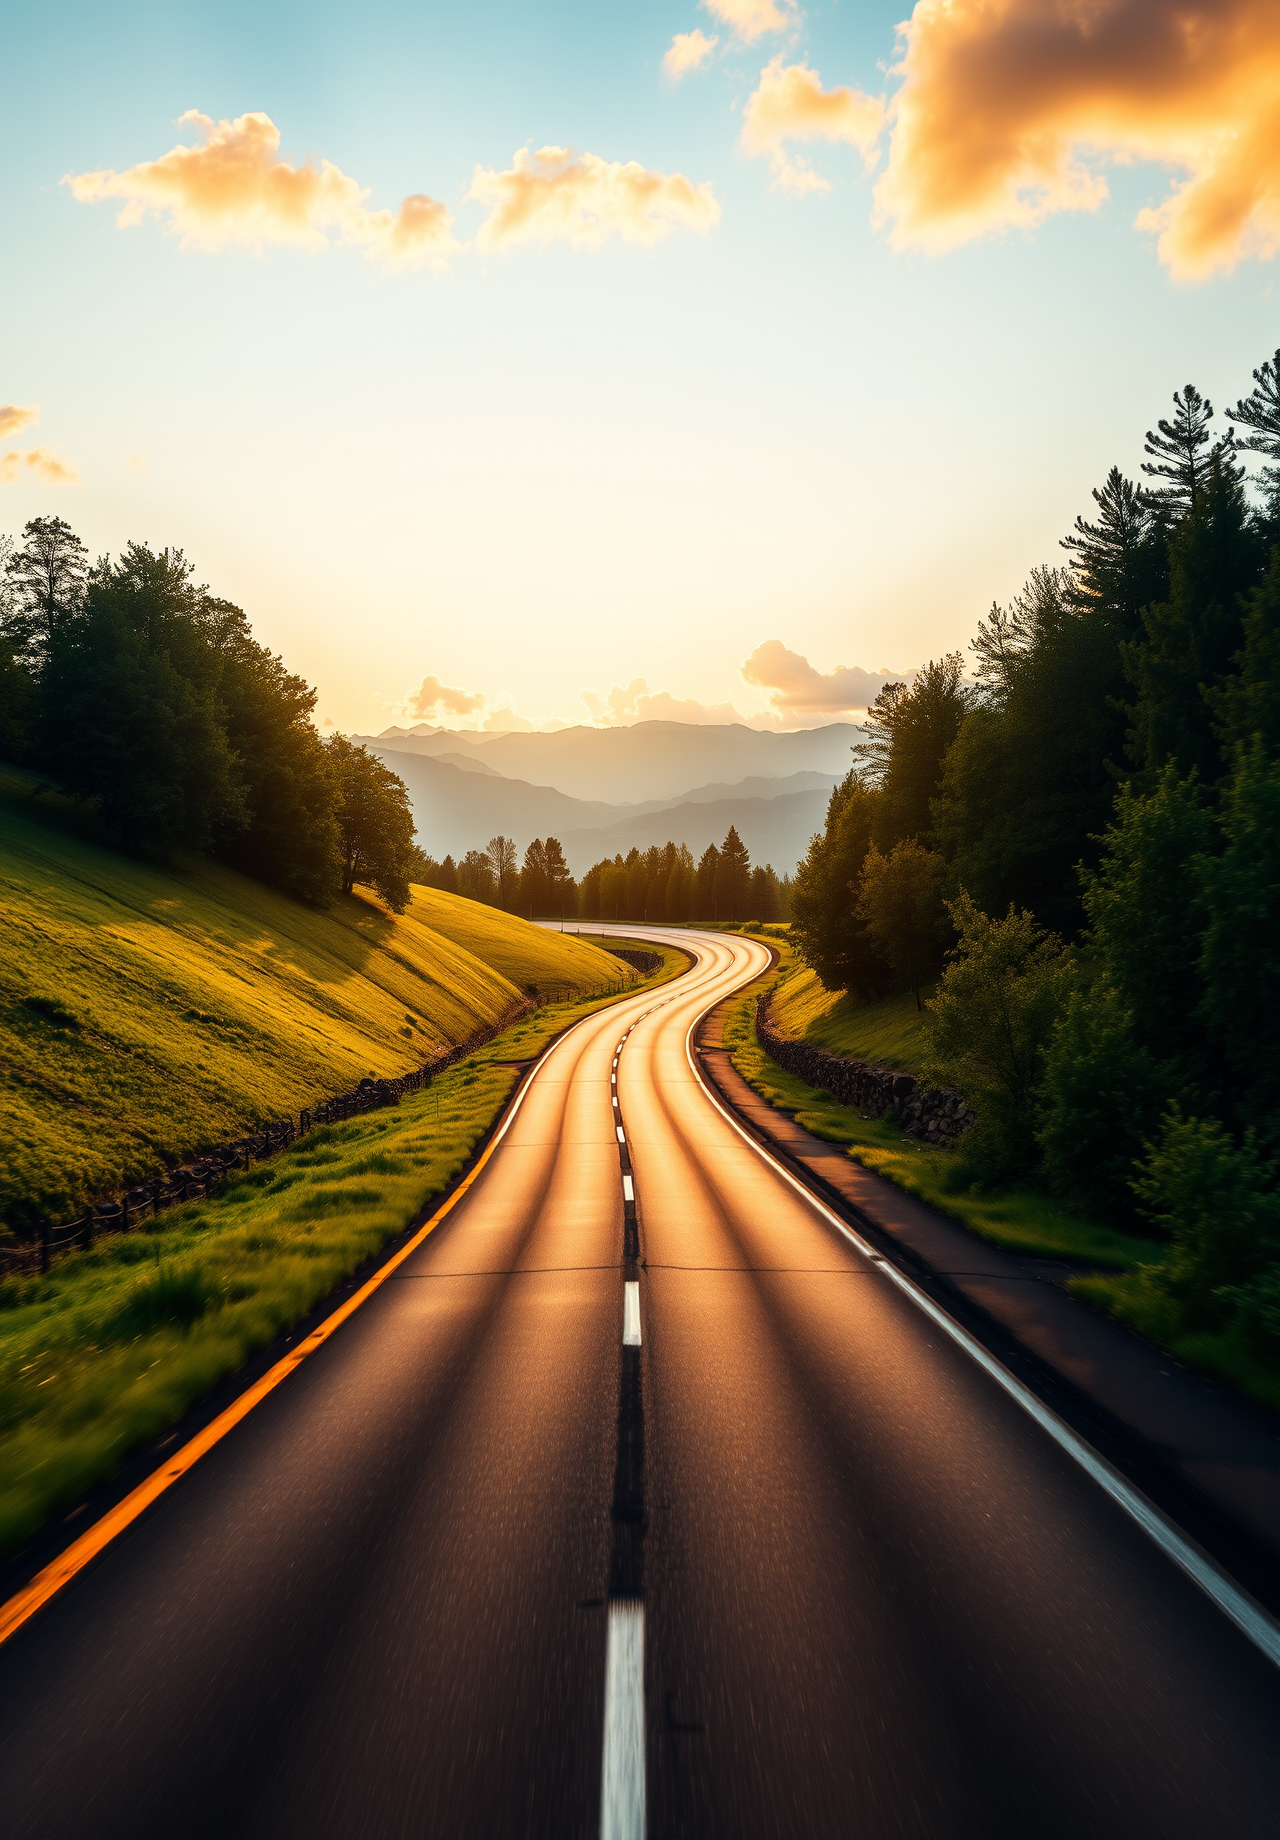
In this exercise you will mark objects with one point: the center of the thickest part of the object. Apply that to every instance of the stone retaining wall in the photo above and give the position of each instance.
(933, 1114)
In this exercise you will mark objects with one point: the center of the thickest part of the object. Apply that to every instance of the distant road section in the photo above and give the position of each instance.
(639, 1501)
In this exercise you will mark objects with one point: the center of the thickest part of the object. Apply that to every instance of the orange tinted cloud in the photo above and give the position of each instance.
(14, 417)
(233, 188)
(1007, 108)
(751, 19)
(584, 200)
(686, 51)
(43, 462)
(432, 695)
(790, 104)
(795, 685)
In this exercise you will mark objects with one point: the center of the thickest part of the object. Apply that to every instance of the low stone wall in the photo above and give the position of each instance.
(640, 960)
(933, 1114)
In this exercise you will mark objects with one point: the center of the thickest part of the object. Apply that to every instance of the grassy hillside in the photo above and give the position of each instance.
(888, 1030)
(146, 1012)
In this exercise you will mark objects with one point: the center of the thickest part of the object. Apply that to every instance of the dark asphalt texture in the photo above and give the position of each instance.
(879, 1602)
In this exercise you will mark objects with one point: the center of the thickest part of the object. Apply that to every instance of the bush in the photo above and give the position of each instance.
(1100, 1101)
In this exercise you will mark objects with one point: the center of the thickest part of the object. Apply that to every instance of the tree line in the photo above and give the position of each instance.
(1082, 834)
(660, 885)
(144, 696)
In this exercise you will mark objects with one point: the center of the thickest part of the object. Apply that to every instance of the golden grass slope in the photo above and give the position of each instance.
(888, 1030)
(146, 1012)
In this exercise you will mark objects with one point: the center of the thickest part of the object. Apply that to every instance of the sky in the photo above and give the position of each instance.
(535, 364)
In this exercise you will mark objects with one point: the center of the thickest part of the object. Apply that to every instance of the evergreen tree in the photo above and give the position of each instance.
(732, 876)
(705, 885)
(900, 904)
(447, 880)
(824, 924)
(1246, 704)
(1182, 454)
(375, 823)
(534, 880)
(1260, 413)
(17, 701)
(475, 878)
(45, 582)
(910, 731)
(1120, 564)
(1188, 642)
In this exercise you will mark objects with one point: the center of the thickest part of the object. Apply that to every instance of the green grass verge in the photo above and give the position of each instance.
(888, 1030)
(1225, 1354)
(148, 1012)
(1018, 1221)
(114, 1344)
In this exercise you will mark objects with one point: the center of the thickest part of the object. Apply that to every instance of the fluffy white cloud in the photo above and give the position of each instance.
(1008, 107)
(14, 417)
(47, 467)
(556, 193)
(752, 19)
(796, 686)
(790, 104)
(234, 188)
(635, 702)
(433, 697)
(686, 52)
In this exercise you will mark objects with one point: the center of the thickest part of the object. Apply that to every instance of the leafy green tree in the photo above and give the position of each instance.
(375, 823)
(1178, 665)
(824, 923)
(130, 711)
(1239, 893)
(1100, 1100)
(45, 583)
(990, 1022)
(1216, 1201)
(475, 878)
(900, 904)
(909, 732)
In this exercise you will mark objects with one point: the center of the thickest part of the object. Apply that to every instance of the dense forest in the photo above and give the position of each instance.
(659, 885)
(146, 698)
(1082, 835)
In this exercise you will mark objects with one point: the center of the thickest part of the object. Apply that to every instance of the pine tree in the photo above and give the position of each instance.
(1178, 451)
(705, 885)
(1119, 565)
(45, 582)
(910, 731)
(1260, 412)
(733, 875)
(448, 879)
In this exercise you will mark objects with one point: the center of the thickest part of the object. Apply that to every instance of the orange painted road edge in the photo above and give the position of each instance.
(49, 1582)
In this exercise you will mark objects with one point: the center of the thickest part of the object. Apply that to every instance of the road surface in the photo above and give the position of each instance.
(782, 1562)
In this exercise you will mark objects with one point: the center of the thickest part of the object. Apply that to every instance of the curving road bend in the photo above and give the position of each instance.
(750, 1550)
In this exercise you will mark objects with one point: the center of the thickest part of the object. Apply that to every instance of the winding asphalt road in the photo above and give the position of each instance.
(787, 1563)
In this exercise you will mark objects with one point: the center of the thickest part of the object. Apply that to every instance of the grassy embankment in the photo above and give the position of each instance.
(116, 1343)
(1019, 1220)
(148, 1013)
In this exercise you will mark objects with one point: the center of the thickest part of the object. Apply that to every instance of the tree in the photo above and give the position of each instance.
(17, 698)
(1260, 412)
(1178, 451)
(900, 904)
(704, 898)
(824, 924)
(447, 879)
(130, 714)
(46, 581)
(1120, 564)
(375, 823)
(1245, 703)
(475, 877)
(1100, 1101)
(1177, 665)
(989, 1025)
(732, 876)
(502, 866)
(910, 730)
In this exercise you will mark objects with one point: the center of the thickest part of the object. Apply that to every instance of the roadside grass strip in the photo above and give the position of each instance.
(113, 1345)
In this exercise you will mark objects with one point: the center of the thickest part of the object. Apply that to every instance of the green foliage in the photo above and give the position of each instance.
(1216, 1201)
(1099, 1100)
(17, 705)
(1247, 704)
(989, 1025)
(374, 823)
(824, 924)
(1239, 967)
(909, 731)
(900, 904)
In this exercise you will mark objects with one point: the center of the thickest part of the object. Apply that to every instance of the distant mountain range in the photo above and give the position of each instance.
(649, 760)
(464, 790)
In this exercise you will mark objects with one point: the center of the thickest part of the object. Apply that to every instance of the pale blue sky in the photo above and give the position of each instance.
(547, 469)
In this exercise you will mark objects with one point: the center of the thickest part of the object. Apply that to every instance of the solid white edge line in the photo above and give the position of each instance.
(622, 1785)
(1249, 1617)
(631, 1313)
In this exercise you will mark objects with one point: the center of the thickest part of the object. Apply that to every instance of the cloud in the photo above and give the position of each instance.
(794, 684)
(686, 52)
(432, 695)
(790, 104)
(635, 702)
(751, 19)
(43, 462)
(1004, 104)
(556, 193)
(234, 189)
(14, 417)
